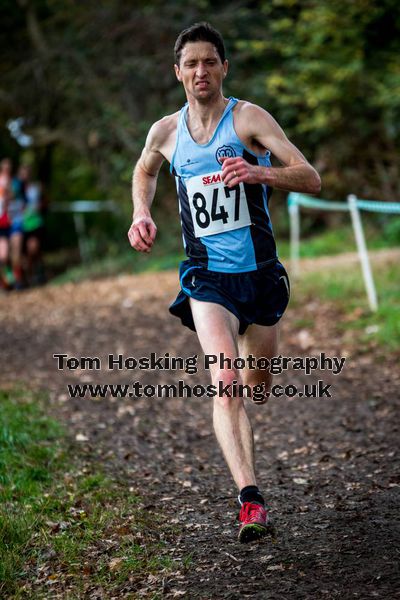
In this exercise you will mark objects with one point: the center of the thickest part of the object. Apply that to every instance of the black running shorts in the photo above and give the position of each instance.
(259, 297)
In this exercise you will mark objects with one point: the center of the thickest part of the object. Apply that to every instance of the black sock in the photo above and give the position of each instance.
(251, 493)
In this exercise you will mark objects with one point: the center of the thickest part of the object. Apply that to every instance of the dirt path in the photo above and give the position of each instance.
(327, 466)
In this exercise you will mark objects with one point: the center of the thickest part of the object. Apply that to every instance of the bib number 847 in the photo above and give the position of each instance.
(204, 218)
(215, 207)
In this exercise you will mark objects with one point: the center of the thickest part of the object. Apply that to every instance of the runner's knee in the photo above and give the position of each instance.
(226, 376)
(227, 382)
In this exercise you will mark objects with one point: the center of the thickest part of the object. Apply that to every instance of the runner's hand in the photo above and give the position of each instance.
(236, 170)
(142, 234)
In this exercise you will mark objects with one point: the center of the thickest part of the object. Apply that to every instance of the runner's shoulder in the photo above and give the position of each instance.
(161, 131)
(251, 114)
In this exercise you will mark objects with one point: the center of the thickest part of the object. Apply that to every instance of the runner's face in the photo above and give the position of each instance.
(201, 70)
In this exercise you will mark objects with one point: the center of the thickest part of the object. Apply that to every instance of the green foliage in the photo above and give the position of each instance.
(328, 71)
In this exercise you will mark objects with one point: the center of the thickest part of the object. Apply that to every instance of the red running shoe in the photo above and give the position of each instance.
(254, 522)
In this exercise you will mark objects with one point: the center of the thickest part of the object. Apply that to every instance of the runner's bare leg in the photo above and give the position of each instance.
(217, 330)
(259, 340)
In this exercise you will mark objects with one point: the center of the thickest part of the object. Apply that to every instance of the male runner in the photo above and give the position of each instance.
(234, 289)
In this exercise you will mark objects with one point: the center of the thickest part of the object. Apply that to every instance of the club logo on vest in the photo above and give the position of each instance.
(224, 152)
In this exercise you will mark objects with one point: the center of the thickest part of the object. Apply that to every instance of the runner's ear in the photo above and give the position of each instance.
(177, 73)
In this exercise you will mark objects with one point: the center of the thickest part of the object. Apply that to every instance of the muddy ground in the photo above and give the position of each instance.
(328, 467)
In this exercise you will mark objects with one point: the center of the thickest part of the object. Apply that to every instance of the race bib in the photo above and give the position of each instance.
(216, 207)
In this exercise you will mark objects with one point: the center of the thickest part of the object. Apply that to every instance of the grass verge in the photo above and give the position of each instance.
(65, 530)
(340, 239)
(168, 252)
(345, 286)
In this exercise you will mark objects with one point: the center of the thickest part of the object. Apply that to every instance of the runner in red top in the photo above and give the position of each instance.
(5, 222)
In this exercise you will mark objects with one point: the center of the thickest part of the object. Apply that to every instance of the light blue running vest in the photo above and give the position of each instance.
(247, 248)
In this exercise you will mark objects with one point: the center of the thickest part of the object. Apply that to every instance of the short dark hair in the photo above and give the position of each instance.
(199, 32)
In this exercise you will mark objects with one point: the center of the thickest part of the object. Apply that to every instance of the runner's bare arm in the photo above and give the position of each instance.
(296, 175)
(143, 230)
